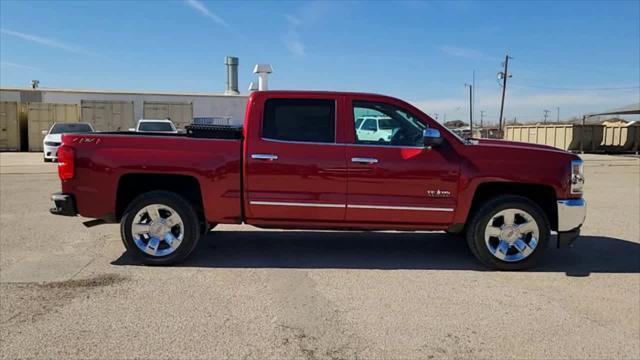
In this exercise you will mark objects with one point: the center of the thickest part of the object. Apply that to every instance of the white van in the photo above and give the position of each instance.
(375, 128)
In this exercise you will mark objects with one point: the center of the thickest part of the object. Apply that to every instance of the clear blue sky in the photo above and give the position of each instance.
(565, 53)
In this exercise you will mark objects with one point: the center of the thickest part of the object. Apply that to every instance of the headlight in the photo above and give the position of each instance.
(577, 176)
(51, 143)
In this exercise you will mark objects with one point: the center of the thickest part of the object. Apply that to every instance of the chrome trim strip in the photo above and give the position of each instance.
(350, 206)
(342, 144)
(278, 203)
(389, 146)
(381, 207)
(300, 142)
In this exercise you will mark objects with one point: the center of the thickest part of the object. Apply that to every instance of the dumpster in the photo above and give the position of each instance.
(621, 138)
(41, 116)
(106, 115)
(10, 126)
(571, 137)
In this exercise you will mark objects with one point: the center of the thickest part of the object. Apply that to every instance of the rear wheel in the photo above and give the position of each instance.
(48, 160)
(508, 233)
(160, 228)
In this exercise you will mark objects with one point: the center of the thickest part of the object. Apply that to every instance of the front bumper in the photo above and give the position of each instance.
(571, 215)
(64, 204)
(50, 152)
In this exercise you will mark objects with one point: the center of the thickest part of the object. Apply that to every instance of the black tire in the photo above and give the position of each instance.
(480, 218)
(189, 219)
(47, 160)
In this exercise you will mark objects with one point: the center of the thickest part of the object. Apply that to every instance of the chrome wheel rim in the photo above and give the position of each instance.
(157, 230)
(511, 235)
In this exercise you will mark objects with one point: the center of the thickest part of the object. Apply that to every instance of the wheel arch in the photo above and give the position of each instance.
(132, 185)
(542, 195)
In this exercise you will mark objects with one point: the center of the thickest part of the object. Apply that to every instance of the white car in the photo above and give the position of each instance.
(53, 137)
(152, 125)
(375, 128)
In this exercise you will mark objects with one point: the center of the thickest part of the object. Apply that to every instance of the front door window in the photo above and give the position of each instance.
(384, 124)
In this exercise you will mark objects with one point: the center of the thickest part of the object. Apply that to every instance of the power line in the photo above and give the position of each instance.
(577, 89)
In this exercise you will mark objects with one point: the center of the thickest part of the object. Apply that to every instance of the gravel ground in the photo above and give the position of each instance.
(70, 292)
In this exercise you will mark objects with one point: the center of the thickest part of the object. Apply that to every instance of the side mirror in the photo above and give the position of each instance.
(431, 137)
(44, 132)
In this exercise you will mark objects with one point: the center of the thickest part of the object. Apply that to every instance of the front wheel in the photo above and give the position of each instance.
(508, 233)
(160, 228)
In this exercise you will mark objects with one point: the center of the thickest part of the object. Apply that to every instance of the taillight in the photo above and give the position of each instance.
(66, 163)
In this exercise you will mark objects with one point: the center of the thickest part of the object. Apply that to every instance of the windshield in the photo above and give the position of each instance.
(70, 128)
(155, 126)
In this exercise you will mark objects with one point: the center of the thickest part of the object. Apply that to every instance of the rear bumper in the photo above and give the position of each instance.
(571, 215)
(64, 204)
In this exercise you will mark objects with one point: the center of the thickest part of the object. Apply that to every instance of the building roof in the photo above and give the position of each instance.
(632, 109)
(122, 92)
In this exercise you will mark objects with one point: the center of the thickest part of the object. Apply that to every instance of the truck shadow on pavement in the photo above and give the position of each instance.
(389, 251)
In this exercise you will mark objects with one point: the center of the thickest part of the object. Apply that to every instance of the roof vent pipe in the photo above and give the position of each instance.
(232, 75)
(263, 71)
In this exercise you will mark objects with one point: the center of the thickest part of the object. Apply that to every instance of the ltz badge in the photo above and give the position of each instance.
(438, 193)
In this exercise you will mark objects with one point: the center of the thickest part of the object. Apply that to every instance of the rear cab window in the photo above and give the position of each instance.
(155, 126)
(300, 120)
(71, 128)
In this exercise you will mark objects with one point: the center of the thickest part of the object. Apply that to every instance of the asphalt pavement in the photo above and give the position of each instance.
(71, 292)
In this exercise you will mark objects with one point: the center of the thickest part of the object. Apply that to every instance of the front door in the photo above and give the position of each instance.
(295, 169)
(396, 179)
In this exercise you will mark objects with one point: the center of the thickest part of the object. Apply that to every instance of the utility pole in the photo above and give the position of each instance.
(546, 114)
(470, 108)
(503, 75)
(481, 117)
(558, 117)
(473, 83)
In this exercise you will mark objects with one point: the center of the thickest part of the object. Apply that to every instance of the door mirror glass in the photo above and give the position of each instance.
(432, 137)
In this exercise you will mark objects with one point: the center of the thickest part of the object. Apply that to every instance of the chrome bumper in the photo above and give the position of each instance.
(571, 214)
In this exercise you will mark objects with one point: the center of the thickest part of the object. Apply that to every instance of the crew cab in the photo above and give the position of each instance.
(298, 162)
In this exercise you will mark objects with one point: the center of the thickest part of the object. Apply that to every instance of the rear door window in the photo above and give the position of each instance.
(305, 120)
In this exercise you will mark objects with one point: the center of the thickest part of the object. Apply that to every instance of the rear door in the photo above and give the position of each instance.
(295, 169)
(395, 179)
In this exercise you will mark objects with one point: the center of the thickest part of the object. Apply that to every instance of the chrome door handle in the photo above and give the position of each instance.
(364, 160)
(269, 157)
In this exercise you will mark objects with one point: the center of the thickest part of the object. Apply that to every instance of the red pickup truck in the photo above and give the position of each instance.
(308, 160)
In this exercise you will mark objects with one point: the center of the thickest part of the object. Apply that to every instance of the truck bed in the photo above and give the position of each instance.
(103, 160)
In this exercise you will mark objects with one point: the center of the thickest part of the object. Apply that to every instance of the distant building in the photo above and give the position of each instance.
(143, 103)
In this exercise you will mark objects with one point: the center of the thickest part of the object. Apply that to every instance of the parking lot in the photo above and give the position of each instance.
(70, 292)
